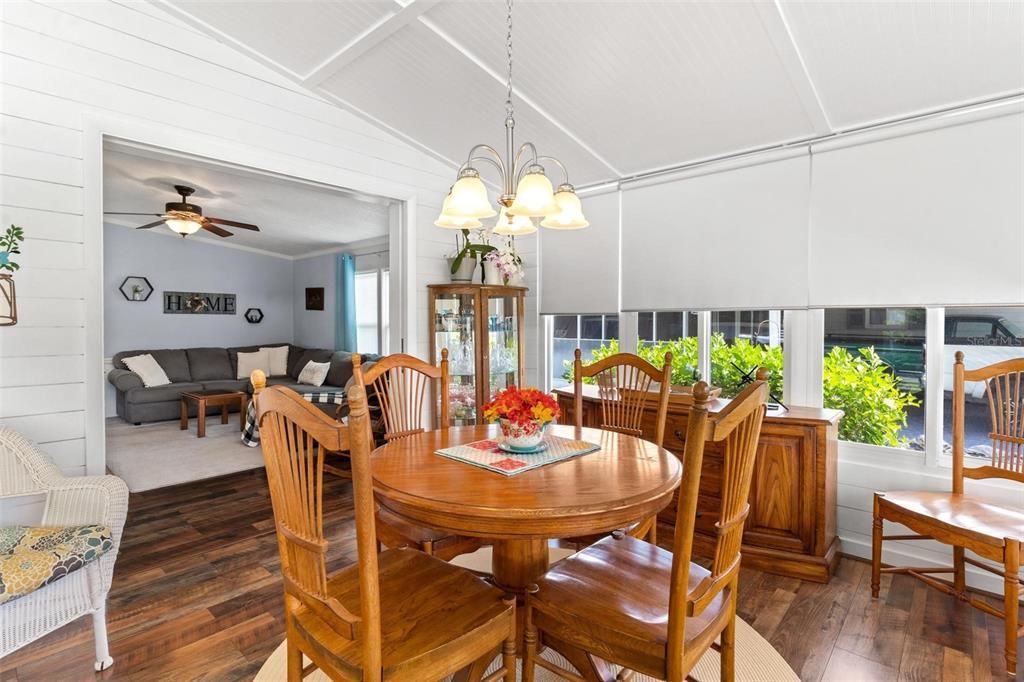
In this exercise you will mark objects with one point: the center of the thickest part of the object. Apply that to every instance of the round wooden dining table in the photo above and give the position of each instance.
(626, 480)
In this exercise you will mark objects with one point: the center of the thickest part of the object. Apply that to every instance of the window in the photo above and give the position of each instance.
(586, 332)
(741, 342)
(669, 331)
(985, 336)
(372, 314)
(874, 370)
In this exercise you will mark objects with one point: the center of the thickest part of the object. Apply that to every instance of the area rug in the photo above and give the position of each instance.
(756, 661)
(160, 454)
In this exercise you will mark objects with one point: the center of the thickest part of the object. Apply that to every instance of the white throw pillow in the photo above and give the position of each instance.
(247, 362)
(148, 369)
(314, 373)
(277, 360)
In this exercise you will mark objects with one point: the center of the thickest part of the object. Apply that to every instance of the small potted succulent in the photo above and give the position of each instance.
(523, 414)
(9, 245)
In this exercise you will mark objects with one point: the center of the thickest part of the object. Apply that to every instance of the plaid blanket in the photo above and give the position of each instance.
(251, 432)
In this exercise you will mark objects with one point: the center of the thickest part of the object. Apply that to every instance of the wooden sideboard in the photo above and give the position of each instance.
(791, 529)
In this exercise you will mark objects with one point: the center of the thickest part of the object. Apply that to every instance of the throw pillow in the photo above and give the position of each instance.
(148, 369)
(277, 360)
(314, 373)
(247, 362)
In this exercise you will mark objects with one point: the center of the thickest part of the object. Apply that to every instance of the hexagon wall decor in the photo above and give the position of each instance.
(254, 315)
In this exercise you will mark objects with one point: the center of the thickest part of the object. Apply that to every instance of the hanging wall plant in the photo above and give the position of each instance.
(9, 243)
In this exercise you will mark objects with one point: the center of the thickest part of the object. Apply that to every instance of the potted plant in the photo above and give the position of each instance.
(9, 242)
(506, 265)
(523, 414)
(462, 263)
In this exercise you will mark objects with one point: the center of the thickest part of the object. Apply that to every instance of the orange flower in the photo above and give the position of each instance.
(522, 405)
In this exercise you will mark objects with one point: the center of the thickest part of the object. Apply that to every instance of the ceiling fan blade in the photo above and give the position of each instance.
(146, 227)
(122, 213)
(216, 230)
(232, 223)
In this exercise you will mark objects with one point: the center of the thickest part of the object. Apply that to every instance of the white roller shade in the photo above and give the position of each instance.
(579, 270)
(732, 237)
(932, 217)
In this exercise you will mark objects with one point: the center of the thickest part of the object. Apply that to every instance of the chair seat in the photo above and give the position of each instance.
(425, 604)
(963, 515)
(616, 593)
(394, 531)
(33, 557)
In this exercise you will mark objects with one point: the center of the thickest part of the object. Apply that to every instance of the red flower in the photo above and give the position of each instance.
(521, 406)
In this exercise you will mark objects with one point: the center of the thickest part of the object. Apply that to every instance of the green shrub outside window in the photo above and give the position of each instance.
(861, 385)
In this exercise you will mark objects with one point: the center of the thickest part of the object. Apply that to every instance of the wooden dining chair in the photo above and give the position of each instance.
(968, 522)
(624, 387)
(397, 615)
(401, 384)
(676, 609)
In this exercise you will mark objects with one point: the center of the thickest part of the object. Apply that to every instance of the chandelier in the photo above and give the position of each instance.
(527, 193)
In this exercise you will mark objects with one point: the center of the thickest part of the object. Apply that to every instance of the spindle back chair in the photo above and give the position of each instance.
(966, 522)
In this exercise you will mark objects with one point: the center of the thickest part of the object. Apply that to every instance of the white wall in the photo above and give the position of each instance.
(174, 264)
(314, 328)
(66, 64)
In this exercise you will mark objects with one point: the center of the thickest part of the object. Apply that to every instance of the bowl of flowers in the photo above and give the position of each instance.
(523, 414)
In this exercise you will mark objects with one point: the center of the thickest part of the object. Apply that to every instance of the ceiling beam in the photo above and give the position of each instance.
(367, 40)
(773, 19)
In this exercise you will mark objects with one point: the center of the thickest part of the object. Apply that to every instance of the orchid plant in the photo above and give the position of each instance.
(506, 260)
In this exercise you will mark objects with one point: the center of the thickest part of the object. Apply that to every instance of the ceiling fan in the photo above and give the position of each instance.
(185, 218)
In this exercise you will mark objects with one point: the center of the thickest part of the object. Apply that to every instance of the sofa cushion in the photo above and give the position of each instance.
(33, 557)
(148, 369)
(277, 360)
(341, 368)
(174, 363)
(208, 364)
(234, 351)
(294, 356)
(308, 356)
(159, 394)
(226, 385)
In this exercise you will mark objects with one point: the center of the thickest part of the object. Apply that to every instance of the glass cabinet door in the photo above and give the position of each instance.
(503, 341)
(455, 329)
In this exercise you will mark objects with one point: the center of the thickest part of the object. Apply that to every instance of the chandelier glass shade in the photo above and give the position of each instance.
(570, 213)
(451, 222)
(513, 226)
(526, 190)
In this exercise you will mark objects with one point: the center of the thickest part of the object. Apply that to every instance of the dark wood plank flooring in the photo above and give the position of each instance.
(196, 594)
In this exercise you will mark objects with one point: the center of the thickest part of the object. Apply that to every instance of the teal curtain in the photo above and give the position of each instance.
(345, 303)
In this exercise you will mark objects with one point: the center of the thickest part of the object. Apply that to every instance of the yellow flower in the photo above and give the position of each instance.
(542, 413)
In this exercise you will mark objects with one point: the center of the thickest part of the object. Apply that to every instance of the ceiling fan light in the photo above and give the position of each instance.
(450, 222)
(513, 226)
(534, 196)
(468, 197)
(570, 214)
(183, 227)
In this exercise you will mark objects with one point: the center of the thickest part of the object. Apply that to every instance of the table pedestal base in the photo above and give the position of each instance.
(515, 565)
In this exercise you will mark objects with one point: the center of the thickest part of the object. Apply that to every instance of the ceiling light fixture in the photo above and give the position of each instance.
(527, 192)
(183, 225)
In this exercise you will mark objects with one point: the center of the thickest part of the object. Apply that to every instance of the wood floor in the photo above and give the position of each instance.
(196, 595)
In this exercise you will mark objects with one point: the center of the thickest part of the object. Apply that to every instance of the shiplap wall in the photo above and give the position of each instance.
(62, 62)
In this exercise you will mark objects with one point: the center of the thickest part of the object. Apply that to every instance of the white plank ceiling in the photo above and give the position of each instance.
(620, 88)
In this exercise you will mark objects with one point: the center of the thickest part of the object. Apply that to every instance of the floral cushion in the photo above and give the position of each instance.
(33, 557)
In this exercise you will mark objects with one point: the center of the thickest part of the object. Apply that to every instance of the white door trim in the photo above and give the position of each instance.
(97, 127)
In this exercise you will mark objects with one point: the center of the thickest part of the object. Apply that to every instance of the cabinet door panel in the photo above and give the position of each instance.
(782, 493)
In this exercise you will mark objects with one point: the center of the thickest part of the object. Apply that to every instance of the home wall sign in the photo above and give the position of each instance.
(198, 303)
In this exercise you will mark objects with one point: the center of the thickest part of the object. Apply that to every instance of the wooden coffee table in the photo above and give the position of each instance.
(203, 399)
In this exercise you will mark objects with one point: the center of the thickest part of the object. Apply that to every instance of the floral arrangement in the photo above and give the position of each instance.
(9, 242)
(522, 406)
(506, 260)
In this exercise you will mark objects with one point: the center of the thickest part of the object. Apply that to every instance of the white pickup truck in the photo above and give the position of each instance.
(984, 340)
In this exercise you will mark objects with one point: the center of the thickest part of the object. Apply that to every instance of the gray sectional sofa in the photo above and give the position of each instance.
(199, 369)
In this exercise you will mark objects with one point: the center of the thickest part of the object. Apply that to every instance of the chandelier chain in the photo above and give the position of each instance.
(508, 50)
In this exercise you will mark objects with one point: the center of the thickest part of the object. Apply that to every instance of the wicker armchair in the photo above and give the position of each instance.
(70, 501)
